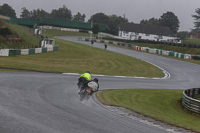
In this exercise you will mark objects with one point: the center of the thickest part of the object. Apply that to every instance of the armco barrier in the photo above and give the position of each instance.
(4, 52)
(38, 50)
(31, 51)
(176, 54)
(182, 56)
(24, 51)
(171, 53)
(13, 52)
(152, 51)
(7, 52)
(165, 52)
(17, 52)
(187, 56)
(188, 100)
(49, 49)
(144, 49)
(55, 48)
(196, 57)
(44, 50)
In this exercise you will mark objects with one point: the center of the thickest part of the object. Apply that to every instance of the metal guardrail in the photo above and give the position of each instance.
(188, 100)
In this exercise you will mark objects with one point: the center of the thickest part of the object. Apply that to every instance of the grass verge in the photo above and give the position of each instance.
(197, 97)
(28, 36)
(166, 47)
(163, 105)
(77, 58)
(52, 33)
(191, 41)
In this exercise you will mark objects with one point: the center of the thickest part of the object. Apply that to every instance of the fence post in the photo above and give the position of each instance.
(198, 92)
(193, 93)
(188, 92)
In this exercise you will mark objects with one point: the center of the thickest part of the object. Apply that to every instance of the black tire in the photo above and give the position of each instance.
(81, 96)
(87, 96)
(84, 95)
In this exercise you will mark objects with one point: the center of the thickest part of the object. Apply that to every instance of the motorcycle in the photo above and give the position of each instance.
(87, 90)
(85, 93)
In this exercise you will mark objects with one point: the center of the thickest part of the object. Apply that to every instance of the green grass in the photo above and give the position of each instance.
(52, 33)
(170, 48)
(78, 58)
(30, 39)
(197, 97)
(13, 70)
(164, 105)
(191, 41)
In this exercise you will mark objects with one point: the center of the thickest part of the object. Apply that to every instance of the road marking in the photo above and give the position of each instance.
(167, 75)
(120, 76)
(71, 73)
(98, 75)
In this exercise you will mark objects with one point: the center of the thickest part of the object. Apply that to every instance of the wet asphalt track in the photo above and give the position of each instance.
(49, 103)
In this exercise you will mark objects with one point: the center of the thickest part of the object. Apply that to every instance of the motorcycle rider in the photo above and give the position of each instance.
(85, 78)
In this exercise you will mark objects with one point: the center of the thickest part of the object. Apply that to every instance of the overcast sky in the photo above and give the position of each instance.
(134, 10)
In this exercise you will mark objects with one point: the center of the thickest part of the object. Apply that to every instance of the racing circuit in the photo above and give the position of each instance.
(49, 103)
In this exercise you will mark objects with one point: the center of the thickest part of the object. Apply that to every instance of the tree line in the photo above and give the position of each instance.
(61, 13)
(168, 19)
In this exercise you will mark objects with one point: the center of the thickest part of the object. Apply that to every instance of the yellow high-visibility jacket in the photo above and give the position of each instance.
(87, 76)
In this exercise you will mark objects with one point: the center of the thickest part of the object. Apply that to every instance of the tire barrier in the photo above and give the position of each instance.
(166, 53)
(14, 52)
(189, 102)
(157, 42)
(147, 49)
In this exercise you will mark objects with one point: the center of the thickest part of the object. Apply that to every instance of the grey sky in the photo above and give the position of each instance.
(135, 10)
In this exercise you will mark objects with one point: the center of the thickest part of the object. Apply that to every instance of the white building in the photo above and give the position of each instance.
(132, 31)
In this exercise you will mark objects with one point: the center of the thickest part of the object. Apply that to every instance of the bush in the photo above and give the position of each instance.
(5, 32)
(2, 24)
(1, 39)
